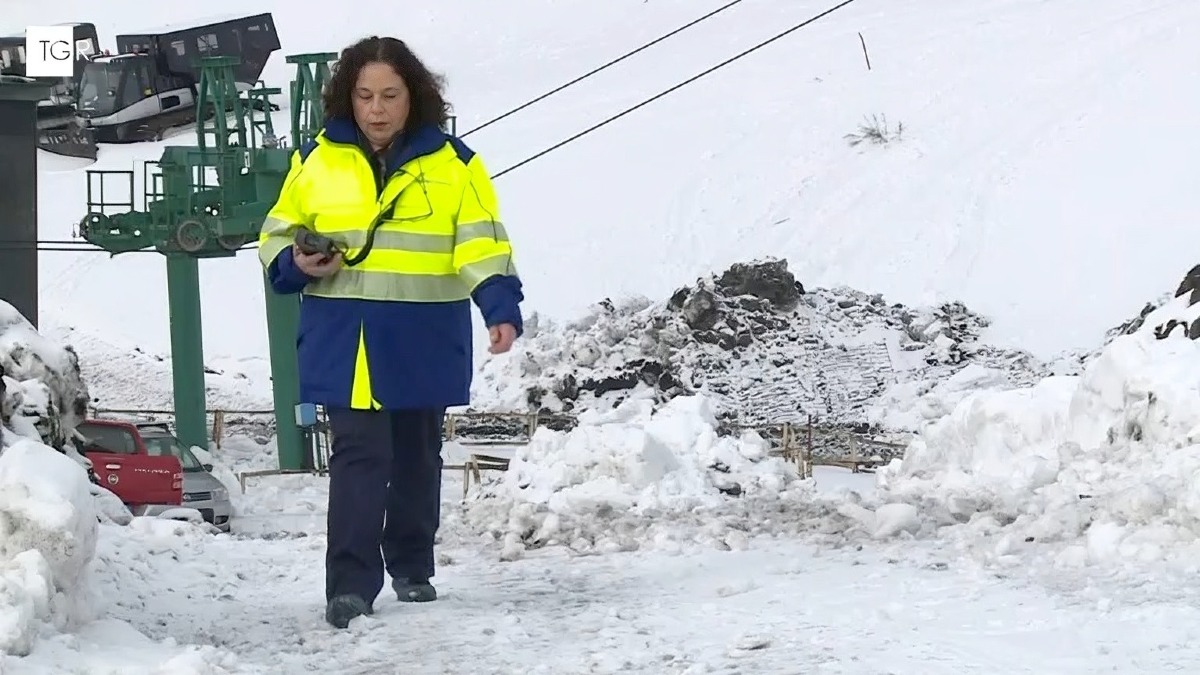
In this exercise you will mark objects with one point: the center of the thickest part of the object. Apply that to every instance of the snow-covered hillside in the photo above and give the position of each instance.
(1032, 165)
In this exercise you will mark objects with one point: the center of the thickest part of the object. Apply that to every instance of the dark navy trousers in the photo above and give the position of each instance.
(385, 480)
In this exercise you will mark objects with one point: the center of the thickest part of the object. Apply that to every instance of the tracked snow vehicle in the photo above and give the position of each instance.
(149, 86)
(59, 107)
(58, 131)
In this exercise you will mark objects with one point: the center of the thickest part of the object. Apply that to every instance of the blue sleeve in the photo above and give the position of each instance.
(284, 276)
(498, 299)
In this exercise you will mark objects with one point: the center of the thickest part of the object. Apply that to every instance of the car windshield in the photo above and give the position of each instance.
(100, 88)
(161, 445)
(105, 438)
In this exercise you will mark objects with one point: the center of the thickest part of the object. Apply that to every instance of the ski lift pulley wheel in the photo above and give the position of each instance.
(233, 242)
(93, 222)
(191, 236)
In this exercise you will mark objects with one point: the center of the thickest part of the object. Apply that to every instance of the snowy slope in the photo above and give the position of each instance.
(1042, 142)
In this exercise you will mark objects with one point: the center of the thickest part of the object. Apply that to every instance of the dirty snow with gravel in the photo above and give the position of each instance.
(762, 347)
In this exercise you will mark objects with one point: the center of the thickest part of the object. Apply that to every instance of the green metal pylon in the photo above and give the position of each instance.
(187, 350)
(283, 311)
(312, 74)
(217, 92)
(262, 129)
(209, 201)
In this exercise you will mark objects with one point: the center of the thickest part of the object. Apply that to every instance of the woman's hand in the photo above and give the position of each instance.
(502, 338)
(316, 264)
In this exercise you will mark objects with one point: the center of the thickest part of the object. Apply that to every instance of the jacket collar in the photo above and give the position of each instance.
(420, 142)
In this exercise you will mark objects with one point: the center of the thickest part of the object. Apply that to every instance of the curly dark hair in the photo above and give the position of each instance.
(428, 105)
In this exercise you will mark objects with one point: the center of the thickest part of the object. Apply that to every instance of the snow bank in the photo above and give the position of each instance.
(112, 647)
(50, 512)
(636, 477)
(1103, 464)
(757, 345)
(48, 530)
(48, 515)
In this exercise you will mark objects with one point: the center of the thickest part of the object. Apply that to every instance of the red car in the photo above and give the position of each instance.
(147, 478)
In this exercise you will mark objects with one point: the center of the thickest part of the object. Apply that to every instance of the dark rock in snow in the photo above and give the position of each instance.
(1190, 286)
(769, 280)
(700, 310)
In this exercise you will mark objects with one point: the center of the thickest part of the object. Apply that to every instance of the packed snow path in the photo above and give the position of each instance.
(780, 607)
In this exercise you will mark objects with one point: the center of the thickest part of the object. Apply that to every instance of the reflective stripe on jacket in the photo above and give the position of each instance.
(393, 331)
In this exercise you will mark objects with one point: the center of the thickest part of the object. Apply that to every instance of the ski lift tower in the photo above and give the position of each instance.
(18, 195)
(209, 201)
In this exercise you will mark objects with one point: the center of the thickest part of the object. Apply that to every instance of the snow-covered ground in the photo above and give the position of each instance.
(960, 282)
(642, 541)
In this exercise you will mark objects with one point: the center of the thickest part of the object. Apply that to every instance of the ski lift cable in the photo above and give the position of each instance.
(605, 122)
(598, 69)
(51, 245)
(71, 246)
(80, 249)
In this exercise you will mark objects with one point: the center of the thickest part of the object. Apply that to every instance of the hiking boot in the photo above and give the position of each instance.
(341, 610)
(414, 590)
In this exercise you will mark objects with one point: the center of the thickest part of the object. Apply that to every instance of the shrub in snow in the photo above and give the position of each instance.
(755, 342)
(875, 130)
(635, 477)
(1105, 461)
(48, 530)
(42, 394)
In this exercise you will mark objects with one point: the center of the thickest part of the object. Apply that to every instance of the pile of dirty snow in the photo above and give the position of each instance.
(759, 346)
(1102, 465)
(42, 394)
(641, 476)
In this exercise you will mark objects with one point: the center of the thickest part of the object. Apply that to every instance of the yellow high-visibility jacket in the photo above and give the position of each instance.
(394, 331)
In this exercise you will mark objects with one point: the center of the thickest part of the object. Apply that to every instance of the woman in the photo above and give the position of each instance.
(384, 342)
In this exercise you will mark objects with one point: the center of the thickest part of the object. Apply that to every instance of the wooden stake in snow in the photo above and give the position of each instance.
(864, 46)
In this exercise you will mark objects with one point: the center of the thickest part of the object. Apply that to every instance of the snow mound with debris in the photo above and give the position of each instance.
(42, 394)
(639, 477)
(758, 345)
(48, 530)
(1103, 465)
(48, 515)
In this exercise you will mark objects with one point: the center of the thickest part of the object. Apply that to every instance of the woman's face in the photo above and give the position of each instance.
(381, 103)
